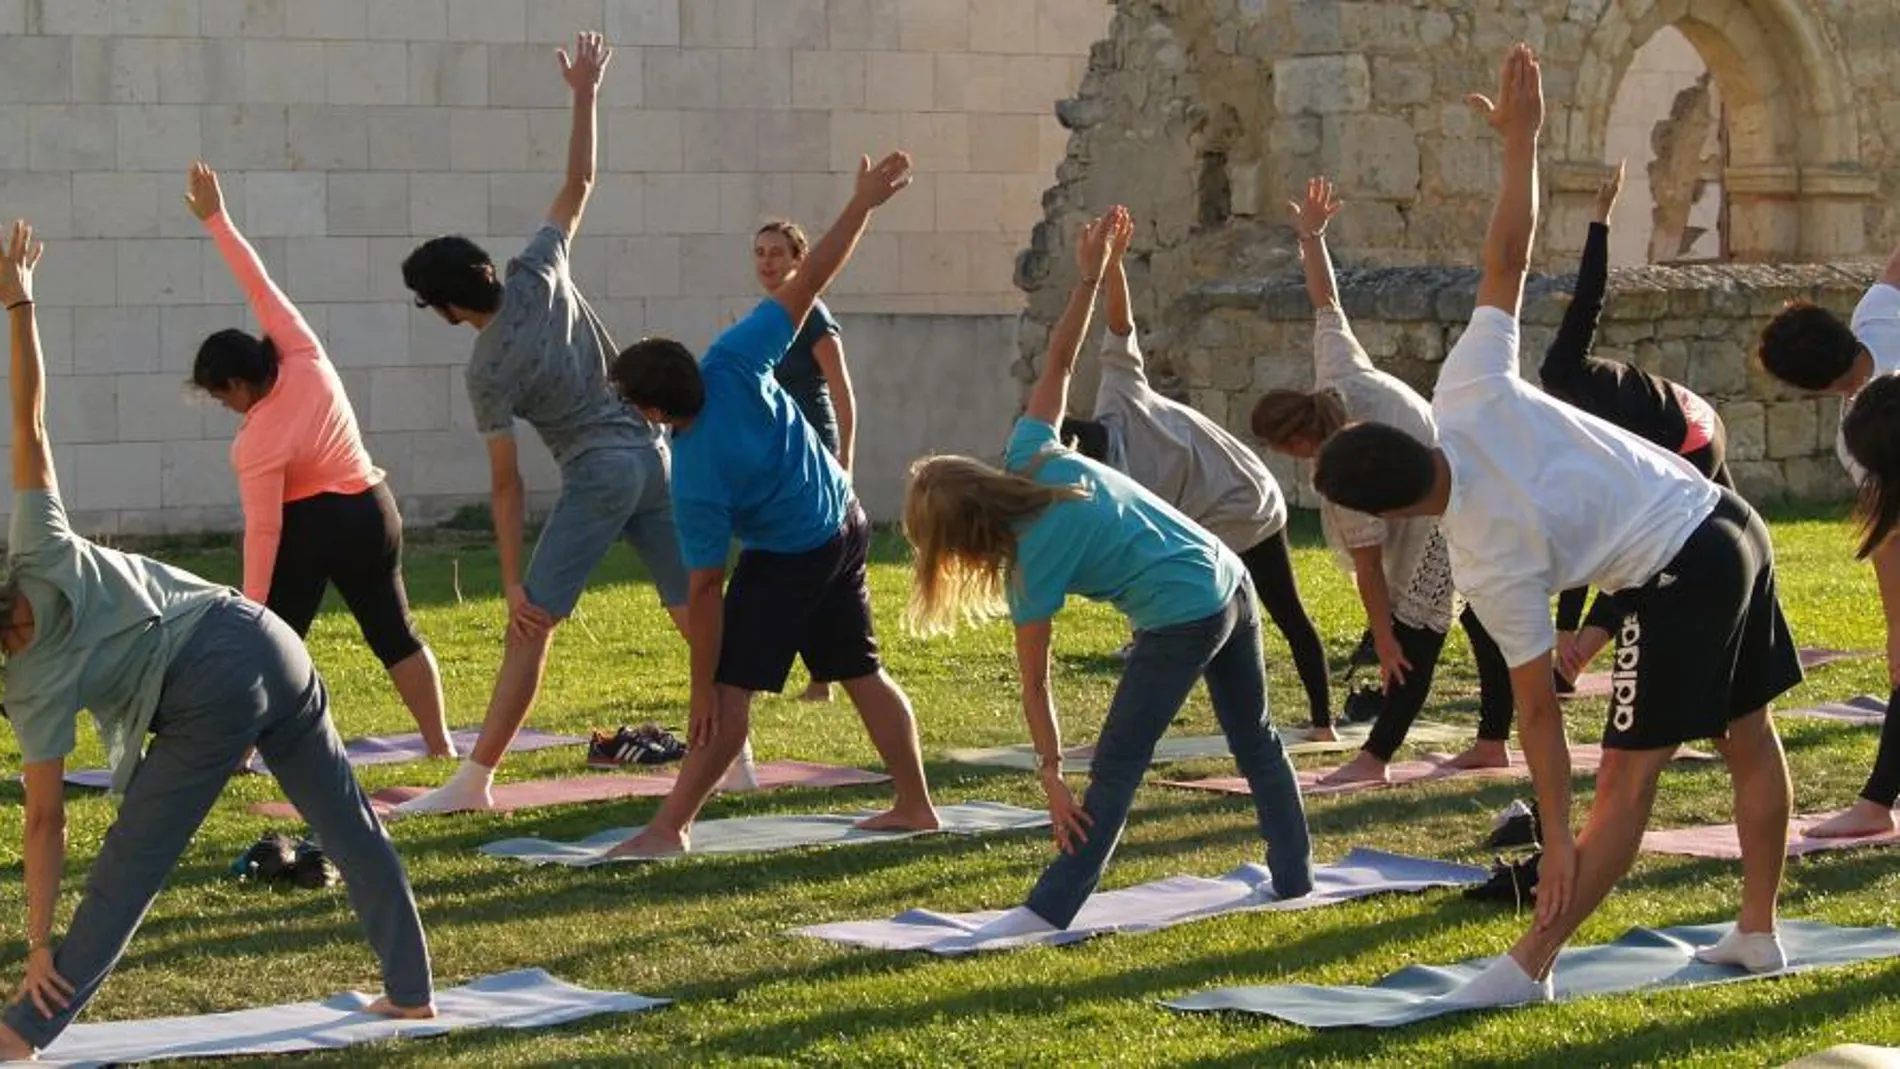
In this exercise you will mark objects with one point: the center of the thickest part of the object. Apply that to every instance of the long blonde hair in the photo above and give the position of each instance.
(960, 516)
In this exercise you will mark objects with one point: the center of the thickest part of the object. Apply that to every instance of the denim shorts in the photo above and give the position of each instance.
(607, 494)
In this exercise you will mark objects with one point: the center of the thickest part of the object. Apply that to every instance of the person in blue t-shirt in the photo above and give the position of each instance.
(747, 465)
(1055, 523)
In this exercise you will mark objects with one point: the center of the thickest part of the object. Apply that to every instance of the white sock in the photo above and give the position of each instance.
(469, 788)
(1754, 951)
(743, 775)
(1503, 983)
(1019, 921)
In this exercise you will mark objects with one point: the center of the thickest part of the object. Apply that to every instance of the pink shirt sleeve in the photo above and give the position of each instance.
(282, 323)
(260, 472)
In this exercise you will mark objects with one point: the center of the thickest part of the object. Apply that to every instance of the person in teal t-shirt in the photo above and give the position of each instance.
(1055, 523)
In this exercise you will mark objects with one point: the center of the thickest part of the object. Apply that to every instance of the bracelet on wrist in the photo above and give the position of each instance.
(1045, 763)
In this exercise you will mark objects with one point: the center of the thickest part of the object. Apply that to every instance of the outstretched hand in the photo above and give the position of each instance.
(1120, 234)
(583, 70)
(878, 183)
(1608, 192)
(1321, 204)
(1092, 247)
(1519, 108)
(202, 194)
(18, 258)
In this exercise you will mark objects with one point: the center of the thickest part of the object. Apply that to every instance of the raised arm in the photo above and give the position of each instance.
(281, 321)
(1309, 221)
(32, 453)
(1518, 115)
(1121, 316)
(1565, 362)
(1050, 398)
(582, 72)
(875, 186)
(1124, 374)
(829, 353)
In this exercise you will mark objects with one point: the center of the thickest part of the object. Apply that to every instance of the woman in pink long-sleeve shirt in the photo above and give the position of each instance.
(316, 510)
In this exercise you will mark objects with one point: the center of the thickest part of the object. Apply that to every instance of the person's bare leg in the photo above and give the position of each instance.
(886, 712)
(13, 1048)
(419, 681)
(816, 692)
(1365, 767)
(1861, 819)
(1483, 753)
(382, 1007)
(523, 661)
(1626, 789)
(678, 615)
(1318, 734)
(1764, 799)
(669, 832)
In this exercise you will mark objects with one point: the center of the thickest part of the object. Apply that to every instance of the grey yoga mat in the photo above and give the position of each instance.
(1200, 747)
(749, 835)
(1153, 906)
(526, 998)
(1642, 960)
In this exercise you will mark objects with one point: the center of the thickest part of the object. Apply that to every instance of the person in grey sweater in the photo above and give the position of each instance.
(1211, 476)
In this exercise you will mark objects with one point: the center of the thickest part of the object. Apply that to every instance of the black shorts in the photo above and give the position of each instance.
(815, 605)
(1703, 642)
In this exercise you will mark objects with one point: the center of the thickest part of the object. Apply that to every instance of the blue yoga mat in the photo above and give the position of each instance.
(1643, 959)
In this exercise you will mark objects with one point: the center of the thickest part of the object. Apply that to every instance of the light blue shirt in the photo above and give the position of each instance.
(749, 466)
(1121, 544)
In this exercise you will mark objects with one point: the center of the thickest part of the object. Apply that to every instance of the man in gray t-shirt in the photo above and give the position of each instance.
(541, 356)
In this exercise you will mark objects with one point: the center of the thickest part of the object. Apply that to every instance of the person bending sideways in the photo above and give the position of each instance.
(1055, 523)
(541, 355)
(205, 673)
(1399, 564)
(316, 510)
(1537, 497)
(1655, 409)
(748, 466)
(813, 370)
(1810, 349)
(1194, 464)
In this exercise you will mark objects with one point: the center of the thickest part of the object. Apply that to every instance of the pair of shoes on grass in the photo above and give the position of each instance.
(276, 858)
(649, 744)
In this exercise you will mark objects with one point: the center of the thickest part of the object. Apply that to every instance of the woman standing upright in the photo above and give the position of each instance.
(316, 511)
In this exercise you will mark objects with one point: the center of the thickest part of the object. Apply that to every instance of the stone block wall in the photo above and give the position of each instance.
(1232, 341)
(348, 130)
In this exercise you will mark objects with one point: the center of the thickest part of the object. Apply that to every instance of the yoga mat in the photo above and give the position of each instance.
(1860, 709)
(1150, 907)
(1584, 757)
(1642, 960)
(1597, 684)
(370, 750)
(527, 998)
(1849, 1056)
(748, 835)
(533, 794)
(1198, 747)
(1722, 840)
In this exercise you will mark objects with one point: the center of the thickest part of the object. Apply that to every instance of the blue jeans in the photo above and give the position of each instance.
(242, 678)
(607, 494)
(1162, 668)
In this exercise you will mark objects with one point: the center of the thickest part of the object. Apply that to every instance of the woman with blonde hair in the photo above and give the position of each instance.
(1054, 523)
(1400, 566)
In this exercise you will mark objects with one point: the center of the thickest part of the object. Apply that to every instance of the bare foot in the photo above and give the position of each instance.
(903, 818)
(1363, 768)
(817, 692)
(15, 1049)
(382, 1007)
(1484, 753)
(1316, 734)
(1863, 818)
(651, 843)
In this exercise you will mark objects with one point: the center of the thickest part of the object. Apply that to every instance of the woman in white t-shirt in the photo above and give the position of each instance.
(1399, 565)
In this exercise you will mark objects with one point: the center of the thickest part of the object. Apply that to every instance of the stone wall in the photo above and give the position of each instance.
(347, 130)
(1697, 325)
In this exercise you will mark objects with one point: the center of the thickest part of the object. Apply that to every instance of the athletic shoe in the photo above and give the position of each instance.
(312, 869)
(660, 746)
(649, 745)
(1363, 705)
(1516, 825)
(1512, 882)
(267, 860)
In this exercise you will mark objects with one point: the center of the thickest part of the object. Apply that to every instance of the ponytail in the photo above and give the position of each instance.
(1281, 417)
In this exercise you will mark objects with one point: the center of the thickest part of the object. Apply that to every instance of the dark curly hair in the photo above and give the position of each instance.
(1374, 468)
(1807, 347)
(452, 271)
(660, 373)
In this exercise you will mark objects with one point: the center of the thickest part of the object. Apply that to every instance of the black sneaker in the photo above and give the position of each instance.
(1363, 705)
(312, 869)
(1517, 825)
(1513, 883)
(658, 746)
(268, 859)
(618, 750)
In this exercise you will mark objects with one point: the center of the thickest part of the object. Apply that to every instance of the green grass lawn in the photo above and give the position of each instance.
(710, 933)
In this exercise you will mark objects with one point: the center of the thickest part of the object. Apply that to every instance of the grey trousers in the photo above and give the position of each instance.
(242, 678)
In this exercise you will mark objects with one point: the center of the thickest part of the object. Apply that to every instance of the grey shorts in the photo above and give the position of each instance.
(607, 494)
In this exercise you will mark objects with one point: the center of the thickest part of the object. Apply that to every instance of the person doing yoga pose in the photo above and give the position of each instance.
(1653, 408)
(1054, 523)
(1398, 563)
(316, 510)
(1809, 348)
(154, 652)
(1537, 497)
(747, 466)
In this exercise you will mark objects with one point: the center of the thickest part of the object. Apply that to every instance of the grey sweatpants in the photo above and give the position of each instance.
(242, 678)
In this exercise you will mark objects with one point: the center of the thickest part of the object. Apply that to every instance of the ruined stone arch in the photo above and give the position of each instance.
(1794, 183)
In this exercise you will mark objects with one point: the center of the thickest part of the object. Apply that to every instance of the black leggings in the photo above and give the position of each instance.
(354, 541)
(1271, 566)
(1883, 783)
(1403, 702)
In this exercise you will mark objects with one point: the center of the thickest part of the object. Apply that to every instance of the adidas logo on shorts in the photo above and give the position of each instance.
(1629, 654)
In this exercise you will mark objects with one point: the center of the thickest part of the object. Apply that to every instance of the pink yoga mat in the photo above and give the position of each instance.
(1597, 684)
(1584, 757)
(1721, 840)
(531, 794)
(1860, 709)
